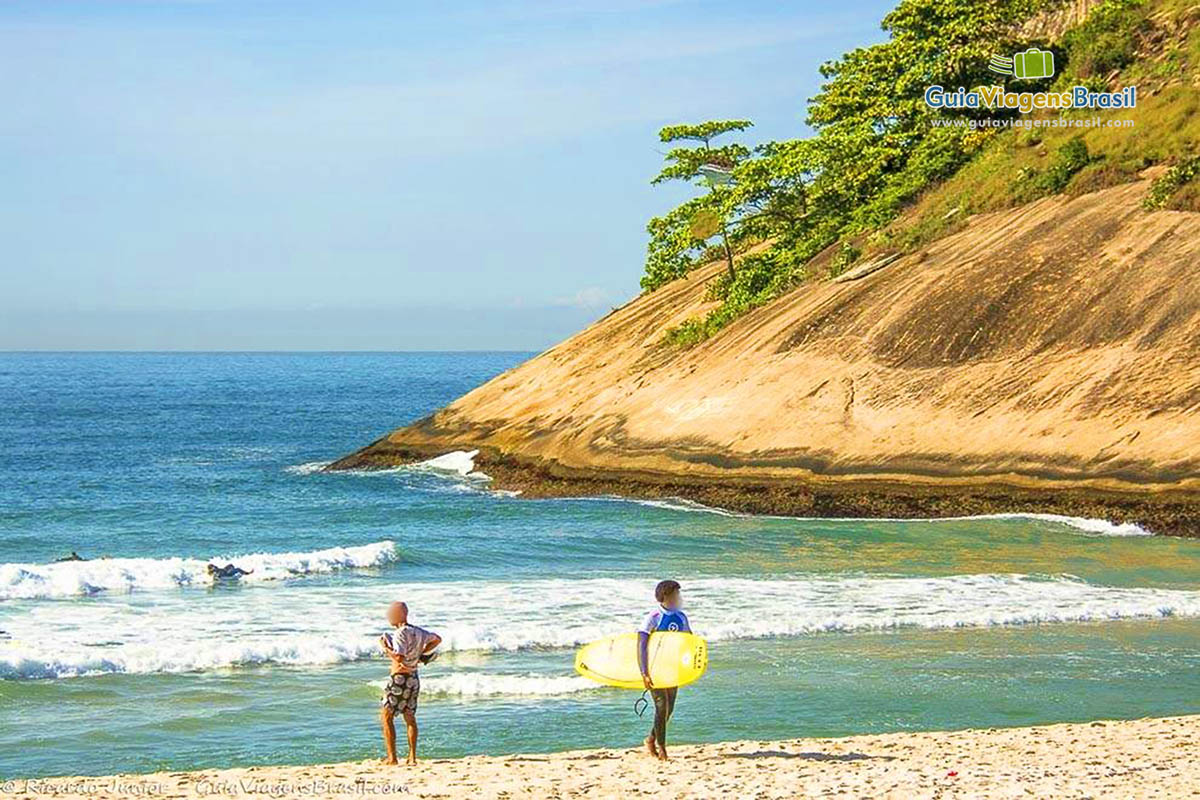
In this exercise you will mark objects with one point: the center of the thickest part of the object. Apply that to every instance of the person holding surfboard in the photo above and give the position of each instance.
(667, 617)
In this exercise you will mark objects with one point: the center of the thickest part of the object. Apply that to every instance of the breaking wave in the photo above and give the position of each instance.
(1086, 525)
(330, 625)
(458, 463)
(487, 684)
(81, 578)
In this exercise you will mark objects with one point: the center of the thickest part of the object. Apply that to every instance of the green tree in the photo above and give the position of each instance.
(874, 150)
(679, 238)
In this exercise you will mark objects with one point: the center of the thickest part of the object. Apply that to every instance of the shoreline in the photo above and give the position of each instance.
(1134, 758)
(1165, 512)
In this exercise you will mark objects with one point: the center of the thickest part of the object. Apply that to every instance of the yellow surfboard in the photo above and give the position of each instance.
(675, 659)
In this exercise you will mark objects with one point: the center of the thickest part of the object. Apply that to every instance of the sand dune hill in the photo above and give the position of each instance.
(1045, 358)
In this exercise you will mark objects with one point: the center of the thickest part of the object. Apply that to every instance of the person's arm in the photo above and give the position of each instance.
(643, 658)
(648, 624)
(687, 623)
(429, 643)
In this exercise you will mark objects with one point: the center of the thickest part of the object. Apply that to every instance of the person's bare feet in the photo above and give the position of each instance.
(389, 762)
(411, 761)
(662, 755)
(651, 747)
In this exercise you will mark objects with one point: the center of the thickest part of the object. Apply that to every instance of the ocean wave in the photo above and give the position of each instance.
(81, 578)
(1095, 527)
(15, 664)
(737, 608)
(307, 468)
(1085, 525)
(322, 625)
(457, 463)
(487, 684)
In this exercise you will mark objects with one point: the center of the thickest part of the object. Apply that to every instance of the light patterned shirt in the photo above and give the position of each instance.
(408, 642)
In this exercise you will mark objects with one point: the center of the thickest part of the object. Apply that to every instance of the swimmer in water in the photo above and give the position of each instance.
(227, 572)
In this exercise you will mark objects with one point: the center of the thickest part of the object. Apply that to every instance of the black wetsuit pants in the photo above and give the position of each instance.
(664, 707)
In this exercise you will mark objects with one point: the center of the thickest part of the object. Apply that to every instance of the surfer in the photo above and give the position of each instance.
(228, 572)
(667, 617)
(408, 647)
(73, 557)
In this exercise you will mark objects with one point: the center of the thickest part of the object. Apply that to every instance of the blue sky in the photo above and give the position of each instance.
(362, 175)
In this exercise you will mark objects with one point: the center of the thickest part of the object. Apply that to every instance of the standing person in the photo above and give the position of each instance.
(408, 647)
(667, 617)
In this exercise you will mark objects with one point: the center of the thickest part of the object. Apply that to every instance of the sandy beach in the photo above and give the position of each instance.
(1142, 758)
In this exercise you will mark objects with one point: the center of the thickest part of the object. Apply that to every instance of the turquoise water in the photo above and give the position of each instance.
(818, 627)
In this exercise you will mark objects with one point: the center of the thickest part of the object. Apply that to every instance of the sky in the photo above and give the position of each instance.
(292, 175)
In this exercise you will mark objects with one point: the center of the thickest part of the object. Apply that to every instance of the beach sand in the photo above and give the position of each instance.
(1135, 759)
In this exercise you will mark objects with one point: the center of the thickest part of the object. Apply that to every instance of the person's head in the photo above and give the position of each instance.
(397, 614)
(667, 594)
(212, 569)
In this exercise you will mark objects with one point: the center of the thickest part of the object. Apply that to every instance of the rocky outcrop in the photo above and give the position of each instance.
(1045, 358)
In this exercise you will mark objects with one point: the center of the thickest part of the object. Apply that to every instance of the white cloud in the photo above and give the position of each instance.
(590, 297)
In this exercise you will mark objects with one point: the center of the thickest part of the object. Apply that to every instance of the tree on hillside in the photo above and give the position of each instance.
(874, 150)
(679, 237)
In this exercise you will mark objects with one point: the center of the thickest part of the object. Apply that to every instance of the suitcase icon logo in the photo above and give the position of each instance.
(1032, 63)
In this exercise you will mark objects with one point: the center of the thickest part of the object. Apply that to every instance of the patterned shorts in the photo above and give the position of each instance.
(401, 692)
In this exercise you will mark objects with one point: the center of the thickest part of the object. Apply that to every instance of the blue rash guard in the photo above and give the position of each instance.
(660, 619)
(665, 619)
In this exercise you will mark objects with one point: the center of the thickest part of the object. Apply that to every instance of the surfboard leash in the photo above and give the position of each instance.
(641, 704)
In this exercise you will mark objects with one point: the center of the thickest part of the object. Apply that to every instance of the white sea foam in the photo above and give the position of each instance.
(1086, 525)
(680, 504)
(75, 578)
(307, 468)
(316, 624)
(461, 463)
(1095, 527)
(479, 684)
(488, 684)
(457, 464)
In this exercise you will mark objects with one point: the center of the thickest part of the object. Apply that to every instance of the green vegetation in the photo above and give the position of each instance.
(682, 236)
(1104, 42)
(1070, 157)
(846, 256)
(1165, 188)
(879, 175)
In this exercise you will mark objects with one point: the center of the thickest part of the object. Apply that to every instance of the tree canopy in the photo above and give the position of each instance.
(873, 149)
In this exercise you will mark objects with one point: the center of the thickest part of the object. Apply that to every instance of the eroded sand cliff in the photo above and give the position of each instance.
(1041, 359)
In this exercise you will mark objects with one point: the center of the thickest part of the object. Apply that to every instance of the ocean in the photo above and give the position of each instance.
(151, 466)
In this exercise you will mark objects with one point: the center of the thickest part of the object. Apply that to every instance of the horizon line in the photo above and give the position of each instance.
(183, 351)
